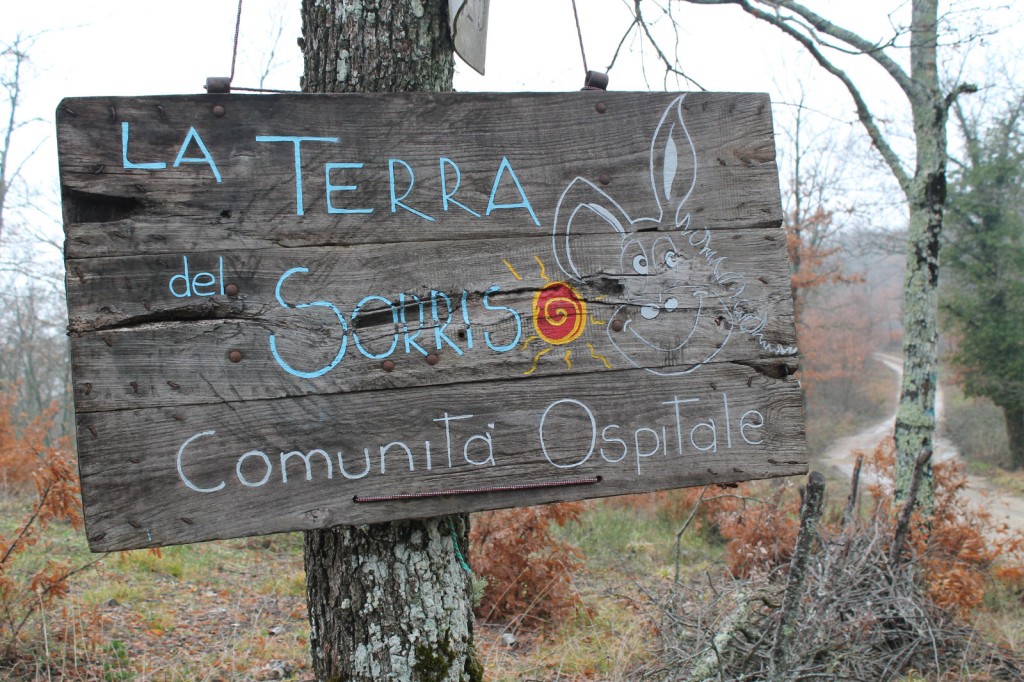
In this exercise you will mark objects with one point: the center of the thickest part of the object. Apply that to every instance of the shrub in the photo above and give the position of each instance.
(22, 442)
(528, 570)
(23, 589)
(760, 537)
(962, 551)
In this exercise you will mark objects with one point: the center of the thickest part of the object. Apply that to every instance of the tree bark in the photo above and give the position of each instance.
(1014, 416)
(386, 601)
(926, 196)
(389, 602)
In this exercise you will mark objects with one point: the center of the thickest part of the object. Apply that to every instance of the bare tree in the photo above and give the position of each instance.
(34, 352)
(33, 348)
(815, 207)
(922, 180)
(13, 59)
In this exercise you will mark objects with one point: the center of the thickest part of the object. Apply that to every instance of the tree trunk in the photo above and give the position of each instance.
(1014, 416)
(926, 195)
(387, 601)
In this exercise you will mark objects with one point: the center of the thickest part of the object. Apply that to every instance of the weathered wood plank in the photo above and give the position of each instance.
(195, 366)
(111, 292)
(176, 351)
(640, 435)
(548, 139)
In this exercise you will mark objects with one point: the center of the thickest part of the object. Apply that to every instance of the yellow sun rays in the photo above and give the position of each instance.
(567, 356)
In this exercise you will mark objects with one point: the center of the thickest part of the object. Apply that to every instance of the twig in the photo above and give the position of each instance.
(810, 514)
(686, 524)
(669, 67)
(615, 56)
(851, 503)
(903, 525)
(27, 525)
(46, 636)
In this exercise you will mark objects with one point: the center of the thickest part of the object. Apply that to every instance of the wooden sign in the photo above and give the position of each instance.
(292, 312)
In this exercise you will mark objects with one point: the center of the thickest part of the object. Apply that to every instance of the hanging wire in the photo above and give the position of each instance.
(220, 86)
(592, 80)
(234, 51)
(579, 33)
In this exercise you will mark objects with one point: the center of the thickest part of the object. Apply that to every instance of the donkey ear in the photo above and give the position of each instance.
(583, 210)
(673, 162)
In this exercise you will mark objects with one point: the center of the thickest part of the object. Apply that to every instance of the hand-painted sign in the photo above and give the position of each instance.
(291, 312)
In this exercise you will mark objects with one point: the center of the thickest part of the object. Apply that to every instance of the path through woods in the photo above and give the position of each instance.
(1004, 507)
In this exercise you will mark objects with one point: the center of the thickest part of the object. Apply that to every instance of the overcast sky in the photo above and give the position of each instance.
(137, 47)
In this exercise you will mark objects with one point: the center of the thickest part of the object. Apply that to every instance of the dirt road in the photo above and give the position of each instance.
(1005, 508)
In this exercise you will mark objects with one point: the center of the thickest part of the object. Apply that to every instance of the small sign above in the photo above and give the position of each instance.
(467, 20)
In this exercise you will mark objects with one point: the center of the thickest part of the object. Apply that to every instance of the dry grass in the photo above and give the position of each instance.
(216, 611)
(235, 610)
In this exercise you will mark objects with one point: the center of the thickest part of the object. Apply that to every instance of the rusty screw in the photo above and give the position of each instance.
(231, 290)
(617, 325)
(235, 356)
(388, 366)
(605, 179)
(601, 107)
(432, 359)
(218, 110)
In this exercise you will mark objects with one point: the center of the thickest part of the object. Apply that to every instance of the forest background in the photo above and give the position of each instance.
(845, 219)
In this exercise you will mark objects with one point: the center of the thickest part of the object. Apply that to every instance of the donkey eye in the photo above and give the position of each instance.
(640, 264)
(671, 259)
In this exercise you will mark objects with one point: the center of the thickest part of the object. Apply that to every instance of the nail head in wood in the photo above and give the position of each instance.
(432, 359)
(235, 356)
(605, 179)
(218, 110)
(617, 325)
(601, 107)
(231, 290)
(388, 366)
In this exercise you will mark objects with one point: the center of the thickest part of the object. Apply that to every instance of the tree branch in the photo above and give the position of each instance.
(961, 89)
(622, 41)
(810, 514)
(669, 67)
(812, 45)
(865, 47)
(903, 523)
(822, 25)
(863, 112)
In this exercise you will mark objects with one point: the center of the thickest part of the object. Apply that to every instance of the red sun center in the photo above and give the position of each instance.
(559, 313)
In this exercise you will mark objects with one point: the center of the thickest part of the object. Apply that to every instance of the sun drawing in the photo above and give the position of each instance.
(559, 318)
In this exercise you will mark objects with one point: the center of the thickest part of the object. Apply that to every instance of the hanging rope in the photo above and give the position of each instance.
(592, 80)
(234, 51)
(455, 542)
(579, 34)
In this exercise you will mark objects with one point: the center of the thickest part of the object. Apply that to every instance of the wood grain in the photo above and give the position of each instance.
(658, 214)
(135, 497)
(549, 139)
